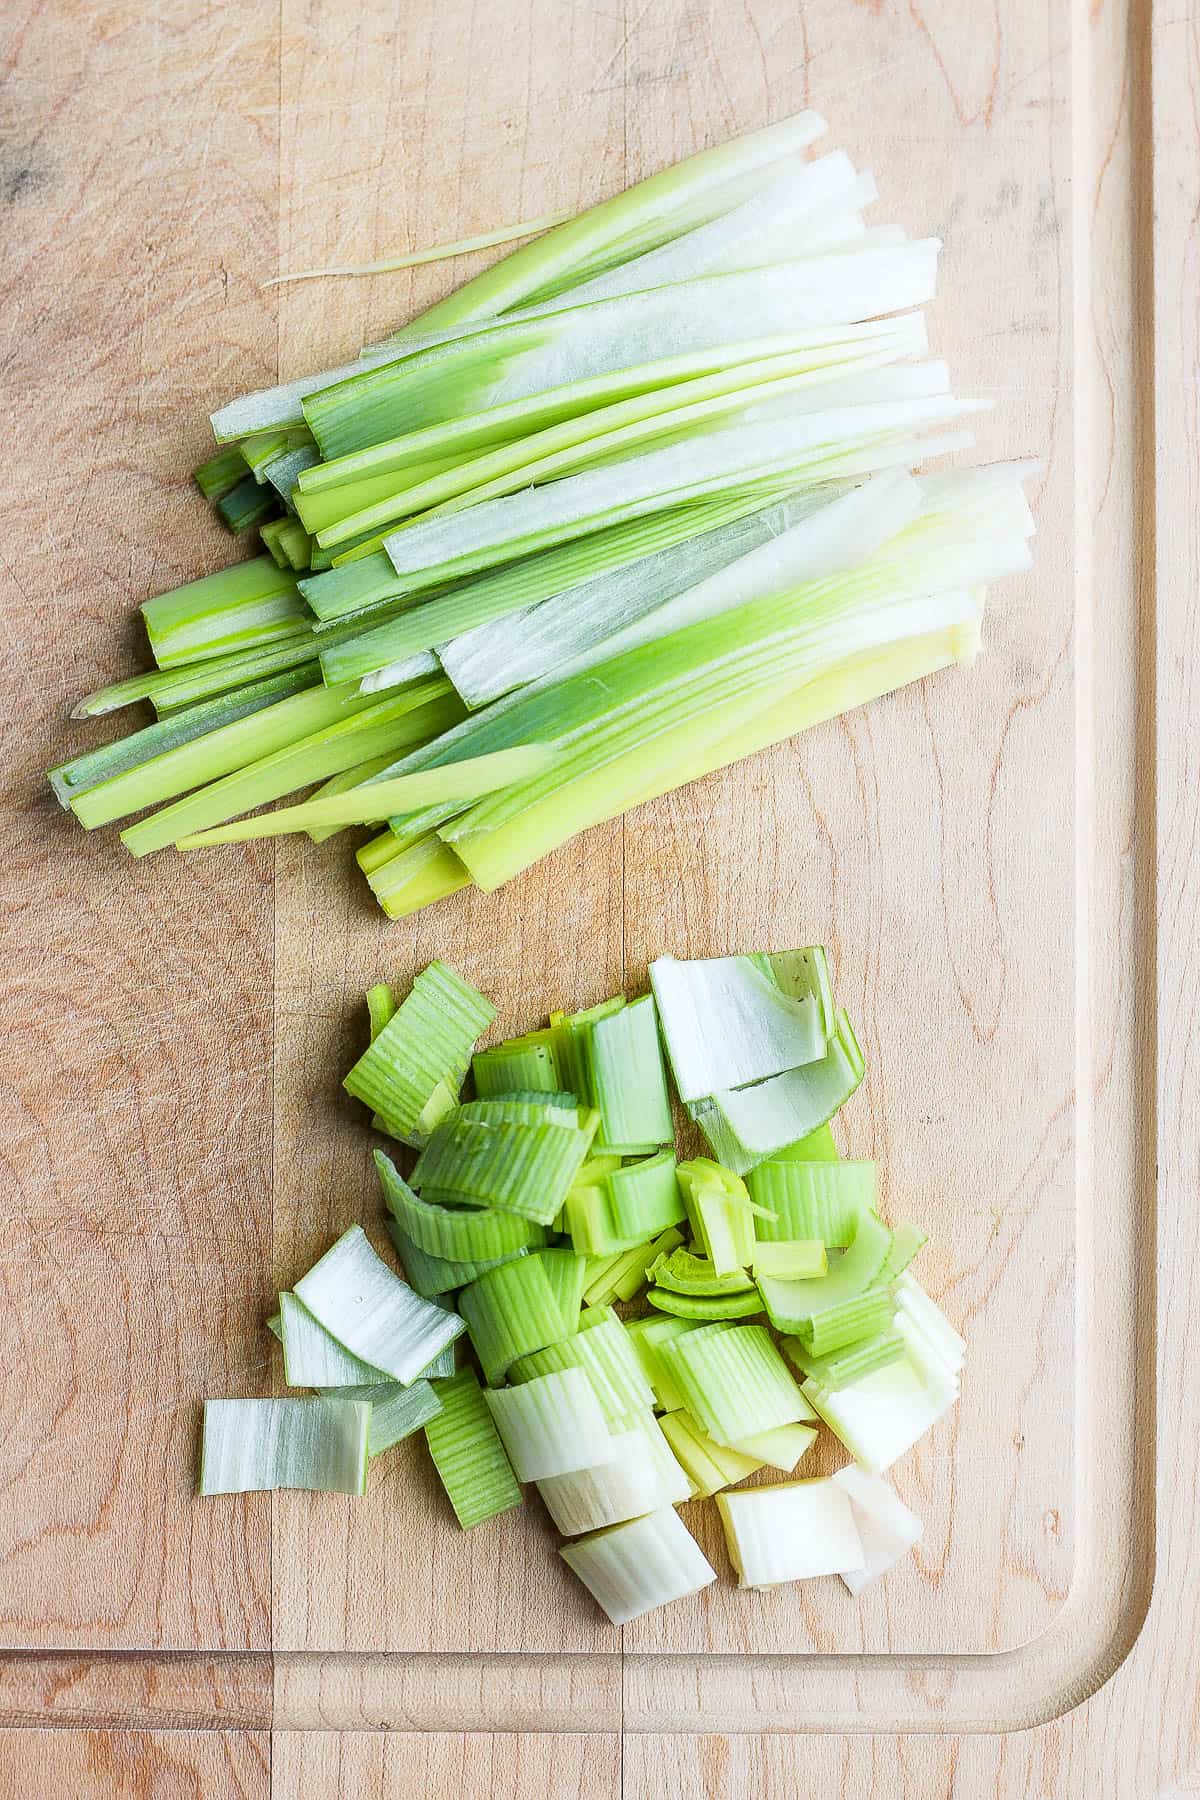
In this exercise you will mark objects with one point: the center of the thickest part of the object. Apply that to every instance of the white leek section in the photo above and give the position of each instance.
(640, 1476)
(926, 1318)
(367, 1308)
(279, 407)
(551, 1425)
(782, 1448)
(726, 1023)
(883, 1415)
(256, 1446)
(886, 1527)
(789, 1533)
(630, 1569)
(311, 1358)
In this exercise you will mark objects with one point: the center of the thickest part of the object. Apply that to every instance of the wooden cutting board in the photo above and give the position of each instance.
(977, 852)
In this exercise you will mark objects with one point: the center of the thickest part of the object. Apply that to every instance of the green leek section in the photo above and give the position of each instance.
(467, 1453)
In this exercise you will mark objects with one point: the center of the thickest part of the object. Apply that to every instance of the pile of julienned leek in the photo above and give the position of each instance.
(555, 1194)
(634, 503)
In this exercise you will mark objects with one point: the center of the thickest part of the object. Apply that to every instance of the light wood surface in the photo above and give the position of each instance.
(979, 854)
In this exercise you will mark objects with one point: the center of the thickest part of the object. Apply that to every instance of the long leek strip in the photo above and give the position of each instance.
(842, 1368)
(256, 1446)
(881, 1416)
(342, 783)
(396, 1411)
(781, 1448)
(359, 587)
(416, 877)
(601, 1348)
(284, 471)
(468, 1455)
(522, 1169)
(414, 716)
(356, 1297)
(269, 534)
(311, 1357)
(248, 604)
(550, 1425)
(244, 506)
(749, 1123)
(733, 1381)
(261, 449)
(425, 1046)
(683, 1272)
(218, 474)
(218, 753)
(790, 1532)
(624, 1208)
(433, 1275)
(812, 1199)
(533, 354)
(377, 851)
(726, 1022)
(791, 1259)
(411, 259)
(626, 1277)
(327, 512)
(627, 1486)
(182, 727)
(632, 1568)
(458, 1234)
(709, 1466)
(528, 1062)
(719, 1209)
(169, 689)
(887, 1528)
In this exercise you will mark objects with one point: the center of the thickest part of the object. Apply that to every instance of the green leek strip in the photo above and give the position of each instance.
(413, 716)
(907, 1241)
(311, 1357)
(396, 1411)
(220, 752)
(342, 783)
(519, 1168)
(468, 1455)
(645, 1335)
(854, 1362)
(261, 449)
(434, 1275)
(727, 1021)
(620, 1209)
(456, 1235)
(245, 506)
(182, 727)
(789, 1532)
(169, 689)
(269, 533)
(683, 1272)
(791, 1259)
(528, 1062)
(601, 1348)
(284, 471)
(709, 1466)
(340, 515)
(526, 1108)
(625, 1078)
(747, 1124)
(705, 1306)
(550, 1425)
(221, 472)
(356, 588)
(853, 1320)
(626, 1275)
(411, 259)
(256, 1446)
(781, 1448)
(856, 1270)
(721, 1214)
(296, 545)
(819, 1146)
(566, 1273)
(822, 1200)
(426, 1044)
(734, 1382)
(377, 851)
(368, 1309)
(247, 604)
(362, 806)
(411, 878)
(515, 1309)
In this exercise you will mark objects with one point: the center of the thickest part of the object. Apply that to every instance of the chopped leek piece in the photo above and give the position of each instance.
(458, 1234)
(686, 1273)
(219, 473)
(705, 1306)
(410, 1074)
(526, 1107)
(434, 1275)
(525, 1169)
(467, 1453)
(634, 1481)
(618, 1060)
(646, 1335)
(907, 1241)
(397, 1411)
(842, 1368)
(517, 1308)
(369, 1310)
(720, 1211)
(861, 1316)
(790, 1532)
(618, 1209)
(707, 1464)
(245, 505)
(882, 1415)
(818, 1146)
(886, 1527)
(745, 1125)
(629, 1569)
(381, 1008)
(528, 1062)
(914, 1305)
(484, 240)
(245, 605)
(627, 1274)
(566, 1274)
(728, 1021)
(790, 1259)
(550, 1425)
(782, 1447)
(602, 1349)
(256, 1446)
(794, 1305)
(733, 1381)
(822, 1200)
(312, 1358)
(407, 879)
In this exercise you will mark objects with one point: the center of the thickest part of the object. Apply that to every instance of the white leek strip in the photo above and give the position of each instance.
(708, 1465)
(378, 1317)
(883, 1415)
(914, 1305)
(280, 405)
(635, 1481)
(413, 259)
(746, 1124)
(397, 1411)
(789, 1533)
(311, 1358)
(551, 1425)
(364, 805)
(632, 1568)
(725, 1022)
(256, 1446)
(782, 1448)
(887, 1529)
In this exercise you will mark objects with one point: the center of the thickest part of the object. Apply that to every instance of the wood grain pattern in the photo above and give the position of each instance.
(135, 1765)
(445, 1766)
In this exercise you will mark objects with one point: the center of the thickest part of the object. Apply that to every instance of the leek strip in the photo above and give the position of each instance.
(411, 259)
(434, 1275)
(621, 1073)
(526, 1108)
(269, 533)
(686, 1273)
(629, 1569)
(248, 604)
(550, 1425)
(619, 1209)
(415, 715)
(339, 515)
(782, 1448)
(460, 1235)
(791, 1532)
(368, 1309)
(812, 1199)
(914, 1304)
(218, 474)
(257, 1446)
(719, 1208)
(744, 1125)
(705, 1306)
(733, 1381)
(396, 1411)
(601, 1348)
(515, 1309)
(405, 1075)
(727, 1022)
(518, 1168)
(284, 471)
(262, 448)
(865, 1316)
(364, 586)
(417, 876)
(468, 1454)
(168, 689)
(709, 1466)
(627, 1275)
(245, 505)
(645, 1335)
(311, 1357)
(887, 1528)
(528, 1062)
(566, 1274)
(342, 783)
(790, 1259)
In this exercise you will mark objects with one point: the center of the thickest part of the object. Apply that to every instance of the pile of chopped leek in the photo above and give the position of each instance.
(634, 503)
(582, 1312)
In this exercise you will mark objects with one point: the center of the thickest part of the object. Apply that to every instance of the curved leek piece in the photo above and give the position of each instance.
(821, 1200)
(646, 1335)
(854, 1320)
(529, 1062)
(883, 1414)
(248, 604)
(619, 1209)
(745, 1125)
(733, 1381)
(796, 1306)
(708, 1465)
(601, 1348)
(524, 1169)
(467, 1453)
(914, 1306)
(721, 1213)
(550, 1425)
(907, 1241)
(256, 1446)
(411, 259)
(781, 1448)
(375, 1315)
(705, 1306)
(405, 793)
(408, 878)
(626, 1274)
(312, 1358)
(434, 1275)
(790, 1532)
(632, 1568)
(629, 1485)
(887, 1529)
(518, 1308)
(460, 1234)
(411, 1072)
(396, 1411)
(686, 1273)
(842, 1368)
(791, 1259)
(614, 1053)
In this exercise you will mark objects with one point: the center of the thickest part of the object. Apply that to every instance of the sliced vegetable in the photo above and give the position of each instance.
(630, 1569)
(686, 1273)
(602, 1349)
(887, 1529)
(745, 1125)
(821, 1200)
(882, 1415)
(727, 1021)
(434, 1275)
(517, 1308)
(256, 1446)
(550, 1425)
(733, 1381)
(626, 1274)
(397, 1411)
(525, 1169)
(369, 1310)
(646, 1335)
(790, 1259)
(467, 1453)
(705, 1306)
(312, 1358)
(613, 1058)
(410, 1074)
(781, 1447)
(529, 1063)
(790, 1532)
(456, 1233)
(635, 1481)
(721, 1214)
(797, 1305)
(617, 1209)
